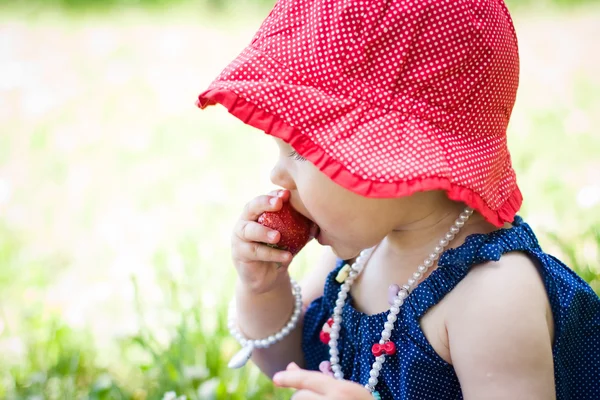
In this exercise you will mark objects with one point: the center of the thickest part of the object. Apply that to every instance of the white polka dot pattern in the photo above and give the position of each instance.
(387, 98)
(418, 372)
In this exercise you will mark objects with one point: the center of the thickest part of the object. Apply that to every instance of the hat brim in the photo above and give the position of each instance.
(245, 100)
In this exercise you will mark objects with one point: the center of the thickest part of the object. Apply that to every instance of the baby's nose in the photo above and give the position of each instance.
(280, 177)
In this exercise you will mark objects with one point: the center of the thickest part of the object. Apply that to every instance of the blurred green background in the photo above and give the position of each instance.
(117, 196)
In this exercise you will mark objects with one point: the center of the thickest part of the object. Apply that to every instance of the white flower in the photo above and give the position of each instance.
(588, 196)
(170, 396)
(173, 396)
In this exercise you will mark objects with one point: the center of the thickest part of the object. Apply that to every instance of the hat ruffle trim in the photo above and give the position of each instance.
(252, 115)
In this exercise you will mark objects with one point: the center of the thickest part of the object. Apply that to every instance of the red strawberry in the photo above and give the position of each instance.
(296, 230)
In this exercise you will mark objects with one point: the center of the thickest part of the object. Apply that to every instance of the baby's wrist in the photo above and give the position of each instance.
(249, 343)
(257, 288)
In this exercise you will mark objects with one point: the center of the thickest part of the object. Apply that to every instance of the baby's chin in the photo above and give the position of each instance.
(345, 253)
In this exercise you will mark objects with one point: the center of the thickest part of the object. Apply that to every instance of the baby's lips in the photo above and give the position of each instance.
(314, 230)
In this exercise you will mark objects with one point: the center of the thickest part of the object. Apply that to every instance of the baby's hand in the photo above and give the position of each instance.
(258, 264)
(313, 385)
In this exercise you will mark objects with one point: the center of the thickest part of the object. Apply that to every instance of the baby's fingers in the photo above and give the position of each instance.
(260, 204)
(253, 251)
(250, 231)
(283, 194)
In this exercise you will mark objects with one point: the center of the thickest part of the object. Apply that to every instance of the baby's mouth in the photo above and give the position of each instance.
(314, 230)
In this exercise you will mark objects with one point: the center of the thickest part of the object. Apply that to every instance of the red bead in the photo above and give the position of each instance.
(389, 348)
(330, 321)
(377, 350)
(325, 337)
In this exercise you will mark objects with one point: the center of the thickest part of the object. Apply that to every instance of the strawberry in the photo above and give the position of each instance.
(296, 230)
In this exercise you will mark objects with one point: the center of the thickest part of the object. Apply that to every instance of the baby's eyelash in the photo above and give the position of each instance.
(296, 156)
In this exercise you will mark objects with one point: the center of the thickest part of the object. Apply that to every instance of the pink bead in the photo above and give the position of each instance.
(325, 367)
(392, 293)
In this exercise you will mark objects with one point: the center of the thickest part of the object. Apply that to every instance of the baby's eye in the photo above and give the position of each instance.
(296, 156)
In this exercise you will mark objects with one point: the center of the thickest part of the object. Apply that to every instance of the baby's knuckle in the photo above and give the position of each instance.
(247, 208)
(256, 250)
(247, 230)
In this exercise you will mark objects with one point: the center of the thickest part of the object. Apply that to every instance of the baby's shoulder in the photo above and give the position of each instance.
(503, 301)
(500, 326)
(513, 284)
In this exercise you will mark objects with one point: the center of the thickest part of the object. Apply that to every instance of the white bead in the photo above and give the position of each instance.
(338, 375)
(373, 381)
(382, 342)
(454, 230)
(388, 326)
(380, 359)
(428, 263)
(459, 223)
(398, 302)
(374, 373)
(271, 339)
(443, 242)
(438, 249)
(402, 294)
(406, 287)
(334, 359)
(264, 343)
(334, 352)
(392, 318)
(394, 310)
(333, 342)
(339, 302)
(343, 296)
(345, 287)
(449, 236)
(377, 366)
(434, 256)
(336, 368)
(337, 310)
(285, 331)
(422, 269)
(353, 274)
(278, 336)
(334, 335)
(337, 319)
(417, 275)
(411, 282)
(385, 335)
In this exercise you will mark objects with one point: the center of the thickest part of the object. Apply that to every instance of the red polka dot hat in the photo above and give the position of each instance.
(387, 97)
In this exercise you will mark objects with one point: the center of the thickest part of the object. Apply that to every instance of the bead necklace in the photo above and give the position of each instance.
(385, 347)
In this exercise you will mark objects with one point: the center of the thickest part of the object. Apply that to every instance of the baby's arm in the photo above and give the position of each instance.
(276, 306)
(500, 332)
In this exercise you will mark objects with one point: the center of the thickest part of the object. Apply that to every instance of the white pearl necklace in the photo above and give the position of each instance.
(403, 293)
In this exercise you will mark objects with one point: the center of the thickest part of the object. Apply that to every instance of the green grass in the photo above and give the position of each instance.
(117, 196)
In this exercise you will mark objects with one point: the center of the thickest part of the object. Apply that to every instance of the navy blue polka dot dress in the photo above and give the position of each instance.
(419, 373)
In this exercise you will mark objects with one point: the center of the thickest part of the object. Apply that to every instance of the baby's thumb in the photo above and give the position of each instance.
(292, 367)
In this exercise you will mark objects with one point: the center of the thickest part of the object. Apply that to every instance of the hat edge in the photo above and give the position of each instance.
(273, 125)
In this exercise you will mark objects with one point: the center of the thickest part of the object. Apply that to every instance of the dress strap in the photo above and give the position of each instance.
(454, 264)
